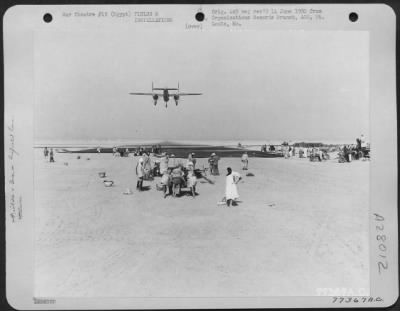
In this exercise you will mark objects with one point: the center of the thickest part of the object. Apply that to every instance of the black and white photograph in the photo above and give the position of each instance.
(199, 162)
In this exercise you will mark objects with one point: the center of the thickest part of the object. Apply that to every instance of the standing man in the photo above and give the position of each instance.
(45, 152)
(347, 153)
(166, 182)
(358, 142)
(189, 160)
(146, 166)
(140, 174)
(363, 145)
(215, 165)
(350, 152)
(51, 155)
(245, 160)
(211, 163)
(194, 160)
(191, 179)
(164, 163)
(231, 193)
(286, 151)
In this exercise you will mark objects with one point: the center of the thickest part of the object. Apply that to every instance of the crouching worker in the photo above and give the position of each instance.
(166, 182)
(178, 180)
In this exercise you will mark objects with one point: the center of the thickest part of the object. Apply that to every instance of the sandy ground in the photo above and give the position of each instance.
(300, 226)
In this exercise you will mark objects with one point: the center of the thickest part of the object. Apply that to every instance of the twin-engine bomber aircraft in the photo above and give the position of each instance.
(165, 94)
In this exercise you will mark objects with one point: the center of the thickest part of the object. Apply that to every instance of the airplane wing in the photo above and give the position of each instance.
(187, 94)
(151, 94)
(166, 88)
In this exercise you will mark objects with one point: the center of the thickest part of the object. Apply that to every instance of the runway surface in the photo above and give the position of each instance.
(300, 226)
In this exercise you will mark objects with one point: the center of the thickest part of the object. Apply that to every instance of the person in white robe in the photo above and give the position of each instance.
(231, 193)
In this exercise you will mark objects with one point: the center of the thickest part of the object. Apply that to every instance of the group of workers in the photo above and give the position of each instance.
(265, 148)
(139, 151)
(312, 153)
(213, 164)
(49, 154)
(359, 150)
(180, 175)
(173, 178)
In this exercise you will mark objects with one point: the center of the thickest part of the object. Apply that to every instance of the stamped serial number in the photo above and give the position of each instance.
(381, 237)
(356, 299)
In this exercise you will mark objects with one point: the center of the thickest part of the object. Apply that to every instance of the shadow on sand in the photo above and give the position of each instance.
(207, 180)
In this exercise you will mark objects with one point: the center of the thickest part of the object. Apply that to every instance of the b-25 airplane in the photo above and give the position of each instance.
(165, 94)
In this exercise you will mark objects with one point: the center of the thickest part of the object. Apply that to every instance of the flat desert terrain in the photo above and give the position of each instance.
(300, 226)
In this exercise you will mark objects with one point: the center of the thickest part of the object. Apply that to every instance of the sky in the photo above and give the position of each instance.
(256, 85)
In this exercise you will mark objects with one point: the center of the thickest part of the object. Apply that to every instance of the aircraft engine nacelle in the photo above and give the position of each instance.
(155, 97)
(176, 98)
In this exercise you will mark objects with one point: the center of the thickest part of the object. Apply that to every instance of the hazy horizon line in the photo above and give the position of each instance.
(116, 142)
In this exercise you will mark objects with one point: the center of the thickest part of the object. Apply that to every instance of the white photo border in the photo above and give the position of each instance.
(20, 24)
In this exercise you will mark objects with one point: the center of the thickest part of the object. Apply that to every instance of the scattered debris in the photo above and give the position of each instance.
(108, 183)
(249, 174)
(128, 191)
(102, 174)
(66, 163)
(222, 202)
(78, 157)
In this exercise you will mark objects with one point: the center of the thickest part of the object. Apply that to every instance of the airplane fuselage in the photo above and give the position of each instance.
(166, 95)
